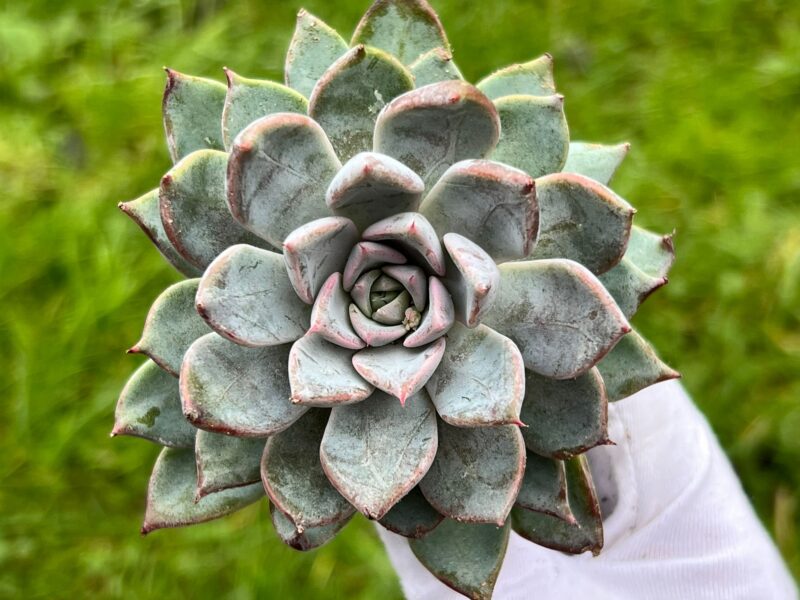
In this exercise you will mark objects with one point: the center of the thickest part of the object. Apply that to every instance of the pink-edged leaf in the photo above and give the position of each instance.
(374, 334)
(330, 318)
(413, 279)
(362, 289)
(307, 539)
(437, 319)
(472, 278)
(225, 462)
(412, 232)
(366, 255)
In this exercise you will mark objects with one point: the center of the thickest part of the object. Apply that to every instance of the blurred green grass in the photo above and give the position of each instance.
(706, 91)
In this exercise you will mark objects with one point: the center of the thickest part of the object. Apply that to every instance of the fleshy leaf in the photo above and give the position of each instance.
(362, 290)
(437, 319)
(149, 407)
(171, 494)
(582, 220)
(330, 318)
(363, 257)
(472, 279)
(490, 203)
(413, 279)
(294, 478)
(575, 538)
(398, 370)
(403, 28)
(278, 171)
(630, 286)
(477, 472)
(374, 334)
(146, 213)
(632, 366)
(314, 47)
(464, 556)
(596, 161)
(393, 312)
(251, 99)
(651, 252)
(193, 211)
(371, 187)
(565, 417)
(481, 379)
(246, 296)
(307, 539)
(535, 135)
(227, 388)
(533, 78)
(314, 251)
(558, 314)
(374, 452)
(412, 516)
(414, 234)
(348, 97)
(434, 66)
(544, 488)
(192, 111)
(322, 374)
(225, 462)
(436, 126)
(171, 326)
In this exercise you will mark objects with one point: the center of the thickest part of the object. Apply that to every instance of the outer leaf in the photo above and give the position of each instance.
(146, 213)
(565, 417)
(193, 211)
(294, 479)
(558, 314)
(192, 110)
(245, 295)
(314, 47)
(632, 366)
(414, 234)
(472, 279)
(348, 97)
(322, 374)
(412, 516)
(171, 494)
(149, 407)
(596, 161)
(551, 532)
(544, 488)
(225, 462)
(535, 136)
(437, 319)
(250, 99)
(171, 326)
(434, 66)
(330, 318)
(436, 126)
(279, 169)
(403, 28)
(651, 252)
(307, 539)
(533, 78)
(582, 220)
(240, 391)
(477, 473)
(480, 381)
(630, 286)
(363, 257)
(372, 333)
(464, 556)
(490, 203)
(375, 452)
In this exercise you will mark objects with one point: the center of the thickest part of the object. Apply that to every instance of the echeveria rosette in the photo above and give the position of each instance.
(408, 297)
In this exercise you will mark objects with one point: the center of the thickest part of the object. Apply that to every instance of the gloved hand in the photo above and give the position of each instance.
(677, 523)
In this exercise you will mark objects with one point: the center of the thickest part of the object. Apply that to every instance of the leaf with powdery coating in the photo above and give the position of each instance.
(481, 379)
(171, 494)
(171, 326)
(597, 161)
(403, 28)
(434, 66)
(437, 319)
(251, 99)
(533, 78)
(565, 417)
(307, 539)
(374, 334)
(413, 279)
(630, 286)
(294, 478)
(436, 126)
(558, 314)
(278, 171)
(374, 452)
(246, 296)
(227, 388)
(464, 556)
(414, 234)
(472, 279)
(149, 407)
(146, 213)
(363, 257)
(477, 472)
(544, 488)
(315, 46)
(412, 516)
(535, 135)
(192, 111)
(632, 366)
(586, 533)
(330, 316)
(351, 93)
(651, 252)
(225, 462)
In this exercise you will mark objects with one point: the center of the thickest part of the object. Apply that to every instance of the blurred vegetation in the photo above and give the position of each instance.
(706, 91)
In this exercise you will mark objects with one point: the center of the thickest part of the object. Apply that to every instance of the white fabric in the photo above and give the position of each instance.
(681, 527)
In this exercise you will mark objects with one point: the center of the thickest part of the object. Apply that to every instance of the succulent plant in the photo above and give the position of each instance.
(407, 296)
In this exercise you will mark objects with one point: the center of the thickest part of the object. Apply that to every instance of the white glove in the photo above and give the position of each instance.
(677, 523)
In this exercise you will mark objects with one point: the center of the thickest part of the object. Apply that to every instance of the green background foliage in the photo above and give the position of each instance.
(706, 91)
